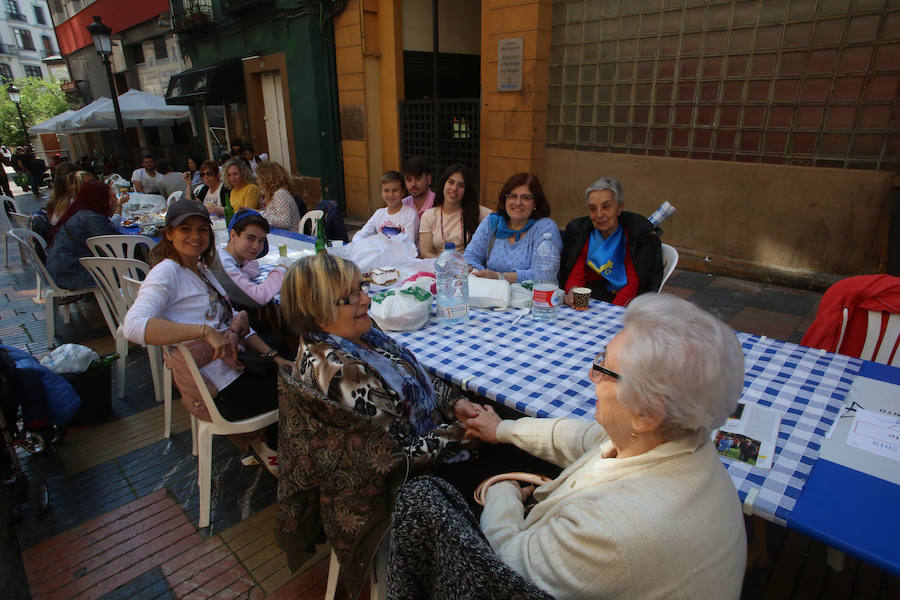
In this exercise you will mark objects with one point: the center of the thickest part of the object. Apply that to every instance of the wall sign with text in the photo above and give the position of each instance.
(509, 64)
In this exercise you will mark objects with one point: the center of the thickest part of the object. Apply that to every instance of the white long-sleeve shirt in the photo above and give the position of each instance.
(406, 220)
(177, 294)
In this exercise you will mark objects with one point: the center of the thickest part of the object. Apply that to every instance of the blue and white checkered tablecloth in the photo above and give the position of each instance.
(541, 369)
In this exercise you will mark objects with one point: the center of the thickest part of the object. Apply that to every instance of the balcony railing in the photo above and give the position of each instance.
(232, 7)
(16, 16)
(191, 16)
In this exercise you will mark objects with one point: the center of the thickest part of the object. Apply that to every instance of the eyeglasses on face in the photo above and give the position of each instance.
(524, 197)
(597, 367)
(354, 297)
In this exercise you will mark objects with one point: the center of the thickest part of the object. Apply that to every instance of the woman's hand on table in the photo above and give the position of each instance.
(490, 274)
(283, 362)
(570, 298)
(483, 426)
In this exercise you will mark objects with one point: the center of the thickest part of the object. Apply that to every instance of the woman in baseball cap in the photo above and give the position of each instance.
(181, 301)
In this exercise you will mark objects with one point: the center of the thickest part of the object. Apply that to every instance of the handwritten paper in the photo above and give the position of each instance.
(876, 432)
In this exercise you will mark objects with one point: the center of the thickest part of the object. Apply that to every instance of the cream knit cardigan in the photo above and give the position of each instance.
(665, 524)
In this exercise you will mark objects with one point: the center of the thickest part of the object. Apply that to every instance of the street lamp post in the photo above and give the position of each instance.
(16, 98)
(101, 35)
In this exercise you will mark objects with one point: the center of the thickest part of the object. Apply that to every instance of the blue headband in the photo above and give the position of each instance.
(240, 216)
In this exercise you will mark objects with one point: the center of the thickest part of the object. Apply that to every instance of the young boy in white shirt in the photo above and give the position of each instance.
(395, 218)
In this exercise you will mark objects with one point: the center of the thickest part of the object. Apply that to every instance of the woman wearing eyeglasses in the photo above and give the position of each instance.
(414, 421)
(212, 194)
(342, 354)
(504, 243)
(644, 507)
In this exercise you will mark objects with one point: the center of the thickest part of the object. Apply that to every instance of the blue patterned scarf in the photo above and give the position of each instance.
(501, 227)
(414, 388)
(607, 258)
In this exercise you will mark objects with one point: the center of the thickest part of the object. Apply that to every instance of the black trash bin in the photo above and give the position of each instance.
(94, 387)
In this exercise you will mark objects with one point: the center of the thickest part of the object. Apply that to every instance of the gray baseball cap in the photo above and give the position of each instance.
(184, 208)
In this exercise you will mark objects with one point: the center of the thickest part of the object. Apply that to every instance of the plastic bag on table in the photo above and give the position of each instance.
(422, 279)
(488, 293)
(520, 295)
(70, 358)
(401, 310)
(378, 251)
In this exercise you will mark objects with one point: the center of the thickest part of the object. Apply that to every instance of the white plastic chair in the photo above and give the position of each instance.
(159, 372)
(5, 227)
(52, 292)
(174, 197)
(670, 260)
(197, 188)
(118, 246)
(311, 216)
(11, 200)
(108, 273)
(218, 426)
(20, 220)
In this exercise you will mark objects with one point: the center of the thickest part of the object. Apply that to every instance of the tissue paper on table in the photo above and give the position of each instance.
(488, 293)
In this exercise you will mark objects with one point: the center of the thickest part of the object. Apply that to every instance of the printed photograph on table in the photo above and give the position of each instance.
(737, 447)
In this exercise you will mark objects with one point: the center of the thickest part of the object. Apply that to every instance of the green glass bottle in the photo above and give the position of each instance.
(321, 240)
(229, 212)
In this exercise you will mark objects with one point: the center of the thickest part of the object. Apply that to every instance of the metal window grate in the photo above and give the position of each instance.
(799, 83)
(457, 126)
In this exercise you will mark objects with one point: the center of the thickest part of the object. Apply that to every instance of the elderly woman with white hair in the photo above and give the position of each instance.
(614, 253)
(644, 507)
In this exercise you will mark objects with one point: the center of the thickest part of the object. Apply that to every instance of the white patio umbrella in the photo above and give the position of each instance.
(51, 125)
(138, 109)
(75, 122)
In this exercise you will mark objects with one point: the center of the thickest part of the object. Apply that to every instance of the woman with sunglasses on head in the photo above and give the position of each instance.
(181, 301)
(212, 194)
(644, 507)
(504, 244)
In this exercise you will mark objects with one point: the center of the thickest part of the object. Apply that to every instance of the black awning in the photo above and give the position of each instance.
(214, 84)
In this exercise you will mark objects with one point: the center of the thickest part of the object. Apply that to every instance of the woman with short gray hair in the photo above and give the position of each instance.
(614, 253)
(644, 507)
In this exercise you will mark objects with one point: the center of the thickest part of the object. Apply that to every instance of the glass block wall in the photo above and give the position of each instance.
(797, 82)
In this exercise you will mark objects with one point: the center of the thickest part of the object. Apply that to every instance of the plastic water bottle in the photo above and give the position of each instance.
(547, 295)
(452, 280)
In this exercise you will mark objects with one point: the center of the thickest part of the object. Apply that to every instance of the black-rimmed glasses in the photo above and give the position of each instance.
(523, 197)
(354, 297)
(597, 367)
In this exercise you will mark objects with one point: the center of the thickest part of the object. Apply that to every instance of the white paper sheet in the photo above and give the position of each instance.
(877, 433)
